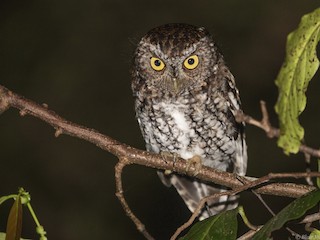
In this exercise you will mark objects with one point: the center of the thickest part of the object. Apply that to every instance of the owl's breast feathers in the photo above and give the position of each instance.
(198, 121)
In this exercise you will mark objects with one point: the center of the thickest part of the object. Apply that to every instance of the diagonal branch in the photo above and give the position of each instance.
(119, 193)
(9, 99)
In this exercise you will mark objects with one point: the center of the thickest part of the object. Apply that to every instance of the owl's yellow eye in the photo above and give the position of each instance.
(191, 62)
(157, 64)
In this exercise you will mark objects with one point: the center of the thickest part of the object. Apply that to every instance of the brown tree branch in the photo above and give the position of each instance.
(135, 156)
(264, 124)
(119, 193)
(9, 99)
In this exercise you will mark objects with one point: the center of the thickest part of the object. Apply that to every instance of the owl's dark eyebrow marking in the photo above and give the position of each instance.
(156, 55)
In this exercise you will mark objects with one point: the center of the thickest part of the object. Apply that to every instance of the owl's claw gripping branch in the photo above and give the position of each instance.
(135, 156)
(194, 165)
(167, 156)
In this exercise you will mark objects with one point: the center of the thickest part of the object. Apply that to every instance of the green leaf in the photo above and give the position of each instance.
(221, 226)
(318, 179)
(3, 236)
(14, 224)
(294, 210)
(315, 235)
(300, 65)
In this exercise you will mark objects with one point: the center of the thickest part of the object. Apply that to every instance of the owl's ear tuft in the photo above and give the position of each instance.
(203, 31)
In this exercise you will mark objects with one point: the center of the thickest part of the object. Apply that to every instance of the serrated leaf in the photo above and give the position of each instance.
(293, 211)
(315, 235)
(14, 224)
(221, 226)
(300, 65)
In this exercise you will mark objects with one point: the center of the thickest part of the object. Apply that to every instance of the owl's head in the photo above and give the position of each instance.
(173, 58)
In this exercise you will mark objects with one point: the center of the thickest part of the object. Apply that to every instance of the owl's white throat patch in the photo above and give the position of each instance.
(180, 120)
(181, 129)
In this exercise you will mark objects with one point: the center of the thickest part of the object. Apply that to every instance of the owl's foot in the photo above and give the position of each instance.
(194, 165)
(165, 155)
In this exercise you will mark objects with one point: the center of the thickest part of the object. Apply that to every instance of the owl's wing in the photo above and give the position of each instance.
(231, 93)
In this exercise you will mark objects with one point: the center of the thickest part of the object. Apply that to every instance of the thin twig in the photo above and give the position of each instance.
(245, 219)
(248, 235)
(311, 218)
(249, 185)
(204, 200)
(119, 193)
(244, 181)
(271, 211)
(264, 203)
(271, 131)
(264, 124)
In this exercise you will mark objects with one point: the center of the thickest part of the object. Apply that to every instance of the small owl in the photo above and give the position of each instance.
(185, 103)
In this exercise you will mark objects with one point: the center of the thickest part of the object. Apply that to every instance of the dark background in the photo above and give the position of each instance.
(75, 56)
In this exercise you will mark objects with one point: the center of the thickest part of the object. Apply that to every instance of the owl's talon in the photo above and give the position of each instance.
(194, 165)
(165, 155)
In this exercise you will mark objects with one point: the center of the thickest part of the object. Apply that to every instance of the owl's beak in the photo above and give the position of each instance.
(175, 84)
(175, 81)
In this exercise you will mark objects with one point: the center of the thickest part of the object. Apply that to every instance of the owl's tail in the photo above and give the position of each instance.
(192, 191)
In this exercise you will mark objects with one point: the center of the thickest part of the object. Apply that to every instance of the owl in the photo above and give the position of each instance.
(185, 103)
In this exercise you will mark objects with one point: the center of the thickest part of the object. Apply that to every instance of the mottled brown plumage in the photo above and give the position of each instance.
(185, 102)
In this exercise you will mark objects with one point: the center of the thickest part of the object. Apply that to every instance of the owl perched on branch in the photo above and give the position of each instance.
(185, 102)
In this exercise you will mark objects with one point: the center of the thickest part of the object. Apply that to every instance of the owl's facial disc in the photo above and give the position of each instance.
(177, 77)
(174, 74)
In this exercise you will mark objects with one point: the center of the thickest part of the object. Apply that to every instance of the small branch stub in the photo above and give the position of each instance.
(119, 193)
(58, 132)
(271, 131)
(4, 104)
(23, 112)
